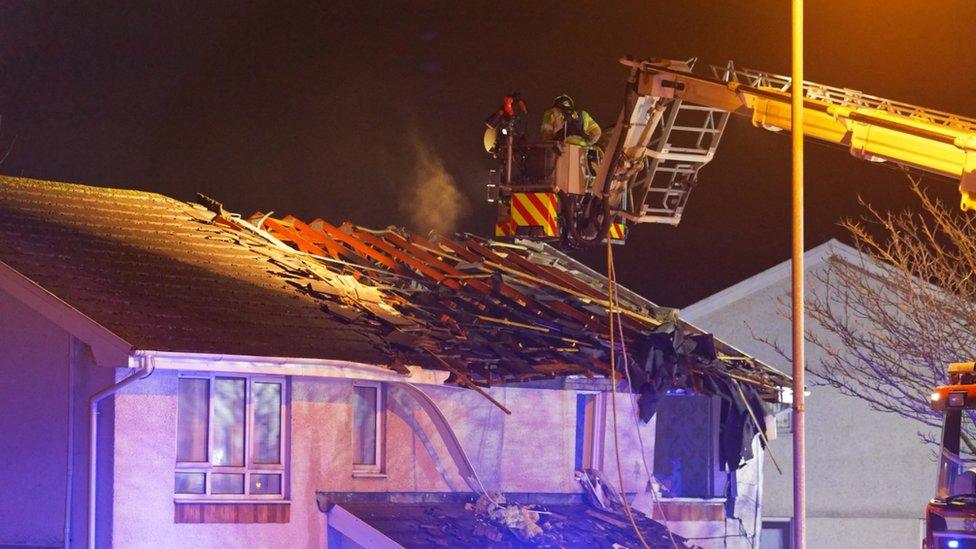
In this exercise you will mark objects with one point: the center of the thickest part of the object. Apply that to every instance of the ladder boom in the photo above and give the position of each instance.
(663, 95)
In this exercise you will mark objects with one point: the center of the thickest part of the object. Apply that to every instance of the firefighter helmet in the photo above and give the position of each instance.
(564, 101)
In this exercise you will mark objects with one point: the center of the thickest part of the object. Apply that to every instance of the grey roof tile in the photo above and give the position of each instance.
(145, 267)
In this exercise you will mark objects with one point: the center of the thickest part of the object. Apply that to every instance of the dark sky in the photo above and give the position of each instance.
(318, 109)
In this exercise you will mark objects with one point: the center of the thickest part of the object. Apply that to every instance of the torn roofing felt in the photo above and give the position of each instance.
(172, 276)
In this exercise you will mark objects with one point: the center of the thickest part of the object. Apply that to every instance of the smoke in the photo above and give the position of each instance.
(432, 200)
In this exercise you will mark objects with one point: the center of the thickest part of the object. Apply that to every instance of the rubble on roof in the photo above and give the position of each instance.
(459, 520)
(166, 275)
(489, 312)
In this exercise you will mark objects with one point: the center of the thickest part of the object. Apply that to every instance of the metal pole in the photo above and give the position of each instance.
(799, 469)
(509, 140)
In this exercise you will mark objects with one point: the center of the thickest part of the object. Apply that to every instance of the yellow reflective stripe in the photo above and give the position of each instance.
(538, 216)
(504, 229)
(535, 210)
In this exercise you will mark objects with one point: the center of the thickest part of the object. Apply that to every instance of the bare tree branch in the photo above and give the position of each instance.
(888, 324)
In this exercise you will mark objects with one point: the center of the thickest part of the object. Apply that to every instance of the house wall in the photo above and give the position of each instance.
(34, 358)
(44, 370)
(741, 531)
(529, 451)
(868, 474)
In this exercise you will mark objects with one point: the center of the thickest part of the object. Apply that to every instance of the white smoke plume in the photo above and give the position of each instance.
(432, 200)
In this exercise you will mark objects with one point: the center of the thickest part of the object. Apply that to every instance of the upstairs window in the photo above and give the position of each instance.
(230, 437)
(686, 448)
(589, 431)
(367, 427)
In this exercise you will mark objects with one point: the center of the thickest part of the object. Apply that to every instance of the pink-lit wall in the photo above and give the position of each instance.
(529, 451)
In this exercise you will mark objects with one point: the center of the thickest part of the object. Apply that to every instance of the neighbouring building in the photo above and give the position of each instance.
(177, 376)
(869, 475)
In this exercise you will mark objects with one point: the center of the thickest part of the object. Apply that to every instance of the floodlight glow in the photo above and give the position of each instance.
(952, 544)
(935, 397)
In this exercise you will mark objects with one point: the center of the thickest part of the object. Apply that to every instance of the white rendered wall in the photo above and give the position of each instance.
(863, 467)
(529, 451)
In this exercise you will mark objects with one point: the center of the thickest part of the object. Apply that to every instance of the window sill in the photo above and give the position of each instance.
(690, 509)
(368, 474)
(703, 501)
(180, 500)
(231, 512)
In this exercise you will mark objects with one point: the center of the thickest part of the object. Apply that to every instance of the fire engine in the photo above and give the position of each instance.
(950, 517)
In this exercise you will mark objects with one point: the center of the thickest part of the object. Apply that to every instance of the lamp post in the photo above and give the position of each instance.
(796, 124)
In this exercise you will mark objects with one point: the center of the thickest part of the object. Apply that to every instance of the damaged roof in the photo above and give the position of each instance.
(167, 275)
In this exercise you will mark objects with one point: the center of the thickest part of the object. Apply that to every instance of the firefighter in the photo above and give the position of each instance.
(564, 123)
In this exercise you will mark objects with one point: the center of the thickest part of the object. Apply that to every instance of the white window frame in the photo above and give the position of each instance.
(599, 426)
(249, 468)
(784, 423)
(782, 525)
(379, 467)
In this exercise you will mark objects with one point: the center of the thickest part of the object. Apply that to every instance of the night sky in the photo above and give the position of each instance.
(336, 110)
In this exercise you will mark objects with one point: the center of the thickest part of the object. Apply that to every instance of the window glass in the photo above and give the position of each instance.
(267, 423)
(230, 434)
(228, 428)
(585, 429)
(265, 484)
(191, 483)
(192, 416)
(686, 446)
(957, 461)
(225, 483)
(364, 425)
(775, 534)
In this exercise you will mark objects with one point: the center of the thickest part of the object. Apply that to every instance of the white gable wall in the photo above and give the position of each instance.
(868, 475)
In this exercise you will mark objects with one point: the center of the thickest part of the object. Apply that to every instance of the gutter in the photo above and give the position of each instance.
(303, 367)
(145, 369)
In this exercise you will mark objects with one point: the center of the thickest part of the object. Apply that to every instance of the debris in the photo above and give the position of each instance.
(523, 520)
(486, 312)
(609, 519)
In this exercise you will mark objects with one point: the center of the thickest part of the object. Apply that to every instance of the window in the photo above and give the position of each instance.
(777, 533)
(589, 431)
(230, 437)
(367, 427)
(686, 459)
(784, 423)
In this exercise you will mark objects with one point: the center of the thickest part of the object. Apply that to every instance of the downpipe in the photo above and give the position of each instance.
(146, 367)
(70, 480)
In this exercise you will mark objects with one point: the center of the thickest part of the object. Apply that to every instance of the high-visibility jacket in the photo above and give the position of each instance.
(574, 127)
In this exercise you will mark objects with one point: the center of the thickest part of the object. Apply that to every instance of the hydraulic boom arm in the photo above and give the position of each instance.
(654, 154)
